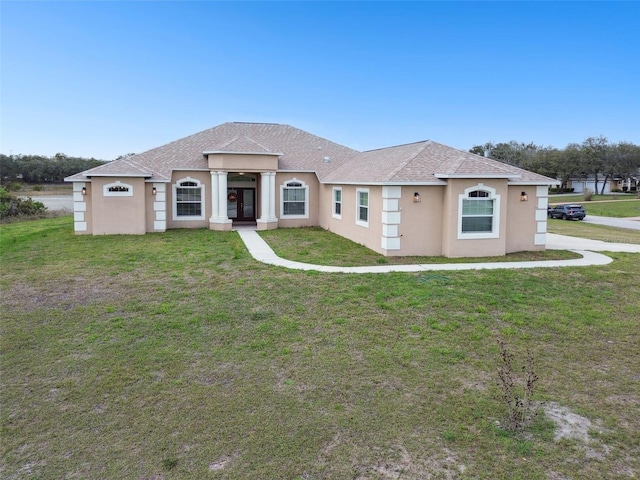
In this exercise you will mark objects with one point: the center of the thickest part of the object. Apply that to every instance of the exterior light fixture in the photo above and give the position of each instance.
(524, 197)
(154, 190)
(84, 190)
(417, 198)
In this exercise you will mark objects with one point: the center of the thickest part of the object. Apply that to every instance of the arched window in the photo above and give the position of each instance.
(294, 202)
(117, 189)
(188, 199)
(479, 213)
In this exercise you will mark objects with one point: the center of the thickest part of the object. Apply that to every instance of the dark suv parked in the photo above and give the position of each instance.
(567, 212)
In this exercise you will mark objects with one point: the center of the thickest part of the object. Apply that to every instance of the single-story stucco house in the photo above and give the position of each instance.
(422, 198)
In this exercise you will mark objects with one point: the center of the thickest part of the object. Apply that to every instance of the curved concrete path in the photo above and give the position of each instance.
(262, 252)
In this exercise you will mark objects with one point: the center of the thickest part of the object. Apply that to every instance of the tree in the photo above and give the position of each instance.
(596, 152)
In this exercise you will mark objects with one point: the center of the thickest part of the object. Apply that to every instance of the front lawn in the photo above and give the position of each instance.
(177, 356)
(319, 247)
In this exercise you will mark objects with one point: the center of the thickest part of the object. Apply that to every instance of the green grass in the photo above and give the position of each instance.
(177, 356)
(579, 198)
(605, 205)
(620, 209)
(594, 232)
(319, 247)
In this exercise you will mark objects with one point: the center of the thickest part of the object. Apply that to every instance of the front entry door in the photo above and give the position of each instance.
(241, 204)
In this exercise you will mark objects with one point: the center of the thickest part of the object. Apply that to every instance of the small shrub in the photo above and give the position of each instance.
(18, 207)
(38, 188)
(13, 186)
(516, 390)
(587, 194)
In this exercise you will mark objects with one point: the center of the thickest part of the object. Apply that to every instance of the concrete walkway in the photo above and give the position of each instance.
(262, 252)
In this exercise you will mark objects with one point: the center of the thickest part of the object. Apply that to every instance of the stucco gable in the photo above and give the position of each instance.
(123, 167)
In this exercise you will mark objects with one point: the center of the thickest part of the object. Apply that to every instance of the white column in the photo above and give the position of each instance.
(265, 187)
(214, 196)
(272, 197)
(222, 195)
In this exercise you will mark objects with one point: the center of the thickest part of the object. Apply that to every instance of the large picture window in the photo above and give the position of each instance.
(294, 196)
(362, 207)
(479, 213)
(188, 200)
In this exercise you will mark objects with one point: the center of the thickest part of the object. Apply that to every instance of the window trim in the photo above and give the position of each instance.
(495, 223)
(303, 186)
(335, 203)
(107, 193)
(174, 202)
(363, 223)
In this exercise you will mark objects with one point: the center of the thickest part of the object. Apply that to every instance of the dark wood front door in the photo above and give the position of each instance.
(241, 204)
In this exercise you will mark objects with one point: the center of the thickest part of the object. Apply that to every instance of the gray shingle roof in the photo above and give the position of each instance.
(421, 162)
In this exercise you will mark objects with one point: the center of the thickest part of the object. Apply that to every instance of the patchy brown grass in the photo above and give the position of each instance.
(177, 356)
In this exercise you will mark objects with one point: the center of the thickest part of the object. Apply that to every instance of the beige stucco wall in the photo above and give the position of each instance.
(243, 163)
(309, 179)
(205, 179)
(419, 230)
(421, 227)
(347, 227)
(117, 214)
(521, 220)
(452, 246)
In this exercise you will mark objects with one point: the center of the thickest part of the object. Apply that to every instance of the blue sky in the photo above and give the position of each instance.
(102, 79)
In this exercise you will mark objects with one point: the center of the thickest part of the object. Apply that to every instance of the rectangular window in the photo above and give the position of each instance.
(188, 198)
(337, 203)
(362, 213)
(188, 202)
(294, 199)
(477, 215)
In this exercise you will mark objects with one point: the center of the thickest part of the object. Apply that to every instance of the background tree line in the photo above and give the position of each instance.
(595, 157)
(41, 169)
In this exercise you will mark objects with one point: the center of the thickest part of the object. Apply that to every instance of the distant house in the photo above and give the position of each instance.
(588, 182)
(422, 198)
(611, 184)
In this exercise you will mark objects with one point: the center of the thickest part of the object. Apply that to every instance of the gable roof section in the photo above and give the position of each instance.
(426, 163)
(387, 165)
(243, 145)
(123, 167)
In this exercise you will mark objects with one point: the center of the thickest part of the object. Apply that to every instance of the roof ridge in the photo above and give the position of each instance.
(403, 164)
(395, 146)
(136, 165)
(257, 143)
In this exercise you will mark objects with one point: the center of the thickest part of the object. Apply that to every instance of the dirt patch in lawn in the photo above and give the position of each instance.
(27, 297)
(572, 426)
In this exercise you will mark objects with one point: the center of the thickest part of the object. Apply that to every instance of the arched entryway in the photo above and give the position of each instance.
(242, 197)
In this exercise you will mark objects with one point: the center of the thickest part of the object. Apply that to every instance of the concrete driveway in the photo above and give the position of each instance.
(565, 242)
(632, 223)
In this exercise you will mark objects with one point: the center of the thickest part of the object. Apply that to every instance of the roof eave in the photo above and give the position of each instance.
(135, 175)
(536, 182)
(385, 183)
(227, 152)
(475, 175)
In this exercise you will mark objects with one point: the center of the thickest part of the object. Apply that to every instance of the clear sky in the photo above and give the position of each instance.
(102, 79)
